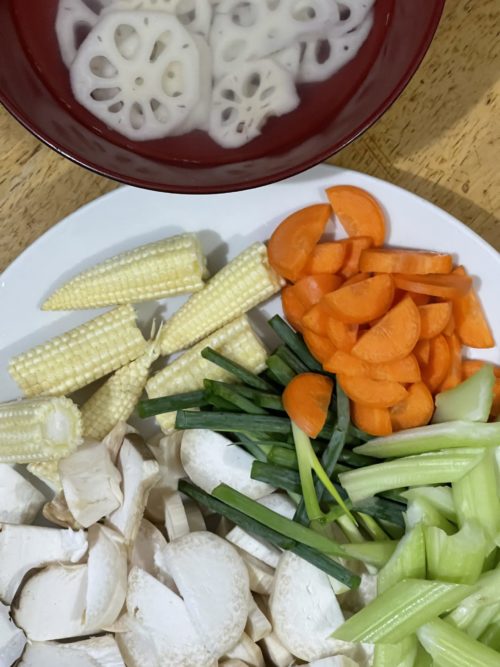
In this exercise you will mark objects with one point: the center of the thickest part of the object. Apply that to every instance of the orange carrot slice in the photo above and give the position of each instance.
(362, 302)
(326, 258)
(356, 278)
(299, 298)
(400, 260)
(434, 318)
(419, 299)
(316, 319)
(343, 336)
(472, 366)
(306, 400)
(450, 327)
(375, 421)
(295, 238)
(403, 370)
(454, 375)
(354, 248)
(443, 286)
(359, 213)
(319, 346)
(372, 393)
(422, 352)
(393, 337)
(438, 366)
(470, 321)
(293, 308)
(416, 410)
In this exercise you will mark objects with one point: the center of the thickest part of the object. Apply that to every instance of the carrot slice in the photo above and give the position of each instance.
(393, 337)
(316, 319)
(295, 238)
(342, 335)
(443, 286)
(402, 370)
(359, 213)
(419, 299)
(306, 400)
(354, 248)
(470, 321)
(356, 278)
(364, 301)
(375, 421)
(400, 260)
(319, 346)
(326, 258)
(311, 289)
(438, 366)
(434, 317)
(372, 393)
(472, 366)
(416, 410)
(422, 352)
(293, 307)
(454, 376)
(450, 327)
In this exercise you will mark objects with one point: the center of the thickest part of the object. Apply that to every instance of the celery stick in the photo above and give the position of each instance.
(373, 529)
(420, 510)
(450, 647)
(400, 611)
(455, 558)
(474, 614)
(350, 530)
(491, 636)
(440, 497)
(423, 659)
(402, 654)
(476, 496)
(433, 468)
(407, 562)
(372, 553)
(470, 401)
(433, 438)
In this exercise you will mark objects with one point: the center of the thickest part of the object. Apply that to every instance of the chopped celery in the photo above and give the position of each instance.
(470, 401)
(402, 654)
(372, 553)
(433, 438)
(423, 659)
(407, 561)
(372, 527)
(491, 636)
(455, 558)
(440, 497)
(476, 496)
(433, 468)
(350, 530)
(474, 614)
(450, 647)
(420, 510)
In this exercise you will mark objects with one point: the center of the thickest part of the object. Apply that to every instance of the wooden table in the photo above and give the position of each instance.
(441, 140)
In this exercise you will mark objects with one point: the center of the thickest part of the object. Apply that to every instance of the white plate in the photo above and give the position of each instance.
(226, 224)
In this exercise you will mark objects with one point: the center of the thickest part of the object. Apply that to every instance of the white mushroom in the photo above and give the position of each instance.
(75, 19)
(91, 483)
(247, 651)
(258, 625)
(334, 661)
(23, 548)
(137, 646)
(176, 521)
(167, 452)
(57, 511)
(20, 501)
(260, 575)
(139, 474)
(275, 653)
(95, 652)
(12, 639)
(210, 459)
(148, 553)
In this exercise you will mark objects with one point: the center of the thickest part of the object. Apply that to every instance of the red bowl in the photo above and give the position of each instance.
(34, 87)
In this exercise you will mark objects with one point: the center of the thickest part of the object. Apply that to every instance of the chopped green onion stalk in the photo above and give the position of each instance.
(407, 561)
(262, 398)
(469, 401)
(400, 611)
(372, 553)
(221, 404)
(237, 423)
(227, 393)
(373, 529)
(296, 364)
(455, 558)
(450, 647)
(421, 511)
(282, 456)
(258, 450)
(281, 478)
(295, 342)
(440, 497)
(157, 406)
(280, 370)
(350, 530)
(240, 372)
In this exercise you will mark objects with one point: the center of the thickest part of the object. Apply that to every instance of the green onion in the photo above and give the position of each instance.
(420, 470)
(220, 404)
(240, 372)
(478, 611)
(157, 406)
(295, 342)
(407, 562)
(237, 423)
(261, 398)
(372, 553)
(277, 476)
(291, 359)
(450, 647)
(402, 654)
(257, 450)
(433, 438)
(470, 401)
(281, 456)
(371, 527)
(455, 558)
(358, 434)
(280, 370)
(400, 611)
(353, 460)
(227, 393)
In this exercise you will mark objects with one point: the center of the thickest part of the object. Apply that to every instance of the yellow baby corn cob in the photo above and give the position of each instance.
(239, 286)
(173, 266)
(237, 341)
(79, 356)
(39, 429)
(115, 401)
(48, 472)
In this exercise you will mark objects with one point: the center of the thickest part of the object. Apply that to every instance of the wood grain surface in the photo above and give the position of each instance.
(441, 140)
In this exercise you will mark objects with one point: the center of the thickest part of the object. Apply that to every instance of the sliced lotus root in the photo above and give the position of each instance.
(352, 13)
(244, 30)
(244, 99)
(325, 55)
(289, 58)
(138, 72)
(199, 116)
(75, 19)
(196, 15)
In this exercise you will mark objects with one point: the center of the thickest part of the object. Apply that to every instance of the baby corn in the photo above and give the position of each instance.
(40, 429)
(173, 266)
(48, 472)
(237, 341)
(239, 286)
(79, 356)
(116, 399)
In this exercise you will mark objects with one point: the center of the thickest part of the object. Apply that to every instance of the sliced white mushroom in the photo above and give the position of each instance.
(12, 639)
(139, 474)
(20, 501)
(210, 459)
(148, 553)
(258, 625)
(194, 516)
(275, 653)
(115, 438)
(214, 584)
(232, 663)
(167, 452)
(245, 98)
(143, 85)
(91, 483)
(75, 19)
(305, 610)
(260, 575)
(137, 646)
(176, 521)
(95, 652)
(356, 599)
(23, 548)
(57, 511)
(334, 661)
(107, 576)
(196, 15)
(247, 651)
